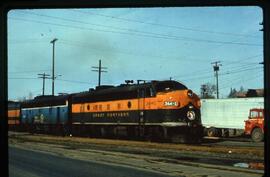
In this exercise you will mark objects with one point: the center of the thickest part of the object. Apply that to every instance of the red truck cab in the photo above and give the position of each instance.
(254, 126)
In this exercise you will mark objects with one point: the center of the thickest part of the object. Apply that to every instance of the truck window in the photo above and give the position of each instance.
(260, 114)
(254, 114)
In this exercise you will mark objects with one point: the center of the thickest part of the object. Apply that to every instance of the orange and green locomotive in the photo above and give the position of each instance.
(156, 109)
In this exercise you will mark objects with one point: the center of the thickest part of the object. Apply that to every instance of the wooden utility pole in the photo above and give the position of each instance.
(43, 76)
(216, 66)
(99, 69)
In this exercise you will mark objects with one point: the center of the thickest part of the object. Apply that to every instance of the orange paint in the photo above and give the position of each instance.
(13, 117)
(179, 99)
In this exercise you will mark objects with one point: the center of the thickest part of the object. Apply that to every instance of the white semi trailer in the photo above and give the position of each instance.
(225, 117)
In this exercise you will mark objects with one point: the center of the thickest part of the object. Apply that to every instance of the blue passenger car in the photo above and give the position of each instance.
(49, 114)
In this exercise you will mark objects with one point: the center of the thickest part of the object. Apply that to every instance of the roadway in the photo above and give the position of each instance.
(26, 163)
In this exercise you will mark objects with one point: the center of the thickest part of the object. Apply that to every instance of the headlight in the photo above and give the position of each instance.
(191, 115)
(189, 93)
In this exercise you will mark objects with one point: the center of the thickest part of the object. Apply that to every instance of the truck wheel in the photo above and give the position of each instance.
(257, 135)
(211, 132)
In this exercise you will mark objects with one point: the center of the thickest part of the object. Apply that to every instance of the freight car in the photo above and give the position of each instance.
(225, 117)
(157, 110)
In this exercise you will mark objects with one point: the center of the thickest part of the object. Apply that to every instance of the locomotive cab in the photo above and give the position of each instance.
(177, 98)
(179, 108)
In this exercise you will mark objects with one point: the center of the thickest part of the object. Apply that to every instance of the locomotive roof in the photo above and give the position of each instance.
(13, 104)
(47, 100)
(120, 88)
(112, 93)
(102, 93)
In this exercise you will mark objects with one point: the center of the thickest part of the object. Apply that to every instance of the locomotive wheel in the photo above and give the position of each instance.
(257, 135)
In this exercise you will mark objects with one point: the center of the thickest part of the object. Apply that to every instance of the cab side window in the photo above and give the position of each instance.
(141, 93)
(145, 92)
(152, 92)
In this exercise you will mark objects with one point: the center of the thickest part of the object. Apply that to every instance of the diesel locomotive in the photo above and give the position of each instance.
(13, 115)
(165, 110)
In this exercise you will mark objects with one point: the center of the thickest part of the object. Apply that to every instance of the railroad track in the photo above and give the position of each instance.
(231, 141)
(239, 139)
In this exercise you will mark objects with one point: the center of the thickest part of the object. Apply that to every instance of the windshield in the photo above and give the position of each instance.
(254, 114)
(169, 85)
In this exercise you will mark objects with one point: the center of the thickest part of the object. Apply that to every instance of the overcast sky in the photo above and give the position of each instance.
(137, 43)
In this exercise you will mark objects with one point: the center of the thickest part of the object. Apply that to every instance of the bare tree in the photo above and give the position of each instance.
(30, 96)
(208, 90)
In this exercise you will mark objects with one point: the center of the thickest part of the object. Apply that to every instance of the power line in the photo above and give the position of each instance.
(168, 26)
(74, 81)
(154, 35)
(229, 80)
(33, 71)
(21, 78)
(206, 76)
(119, 28)
(202, 71)
(237, 71)
(241, 66)
(65, 80)
(123, 51)
(86, 45)
(240, 80)
(24, 42)
(244, 59)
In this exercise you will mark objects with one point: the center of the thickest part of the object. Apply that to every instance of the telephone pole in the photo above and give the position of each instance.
(216, 66)
(43, 76)
(99, 69)
(53, 77)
